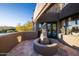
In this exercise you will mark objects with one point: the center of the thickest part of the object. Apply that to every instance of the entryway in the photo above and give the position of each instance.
(52, 29)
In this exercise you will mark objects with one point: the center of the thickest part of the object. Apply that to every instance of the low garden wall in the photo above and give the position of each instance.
(7, 42)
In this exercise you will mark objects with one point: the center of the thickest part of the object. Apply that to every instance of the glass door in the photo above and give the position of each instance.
(49, 30)
(52, 30)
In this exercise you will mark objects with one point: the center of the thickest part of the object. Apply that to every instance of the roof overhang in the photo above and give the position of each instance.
(69, 10)
(48, 17)
(42, 11)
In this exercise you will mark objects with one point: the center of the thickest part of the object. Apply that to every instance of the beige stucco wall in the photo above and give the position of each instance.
(7, 42)
(54, 9)
(72, 40)
(52, 14)
(38, 8)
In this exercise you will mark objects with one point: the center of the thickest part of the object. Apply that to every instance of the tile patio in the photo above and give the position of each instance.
(26, 49)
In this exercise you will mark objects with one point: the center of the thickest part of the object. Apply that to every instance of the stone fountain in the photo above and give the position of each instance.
(43, 36)
(44, 45)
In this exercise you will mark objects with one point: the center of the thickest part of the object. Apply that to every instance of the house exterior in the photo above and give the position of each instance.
(62, 21)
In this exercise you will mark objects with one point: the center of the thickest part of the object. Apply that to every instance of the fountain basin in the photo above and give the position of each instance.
(46, 50)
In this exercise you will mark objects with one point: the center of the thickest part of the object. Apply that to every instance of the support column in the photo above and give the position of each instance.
(36, 28)
(66, 29)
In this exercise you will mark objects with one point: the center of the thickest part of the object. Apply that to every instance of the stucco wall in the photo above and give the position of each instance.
(38, 8)
(71, 40)
(7, 42)
(29, 35)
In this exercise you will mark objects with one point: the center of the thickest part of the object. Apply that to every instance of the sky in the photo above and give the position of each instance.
(12, 14)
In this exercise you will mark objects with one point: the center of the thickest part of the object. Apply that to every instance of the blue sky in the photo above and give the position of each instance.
(16, 13)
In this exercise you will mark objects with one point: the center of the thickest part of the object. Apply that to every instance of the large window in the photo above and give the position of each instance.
(70, 25)
(73, 25)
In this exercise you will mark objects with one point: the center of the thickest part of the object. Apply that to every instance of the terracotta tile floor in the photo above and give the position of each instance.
(26, 49)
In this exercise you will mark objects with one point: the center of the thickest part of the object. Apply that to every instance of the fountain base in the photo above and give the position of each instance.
(45, 49)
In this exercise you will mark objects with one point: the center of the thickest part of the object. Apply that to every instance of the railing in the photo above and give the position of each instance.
(7, 42)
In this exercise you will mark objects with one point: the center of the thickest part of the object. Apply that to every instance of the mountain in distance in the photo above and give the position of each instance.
(6, 27)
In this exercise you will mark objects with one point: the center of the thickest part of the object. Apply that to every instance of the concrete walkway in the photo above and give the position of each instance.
(26, 49)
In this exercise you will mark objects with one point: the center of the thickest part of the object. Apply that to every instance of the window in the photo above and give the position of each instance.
(40, 26)
(73, 25)
(78, 21)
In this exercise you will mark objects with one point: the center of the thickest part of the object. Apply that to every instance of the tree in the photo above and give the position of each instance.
(29, 26)
(25, 28)
(20, 28)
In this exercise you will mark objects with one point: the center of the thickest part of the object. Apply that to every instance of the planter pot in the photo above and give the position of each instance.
(46, 50)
